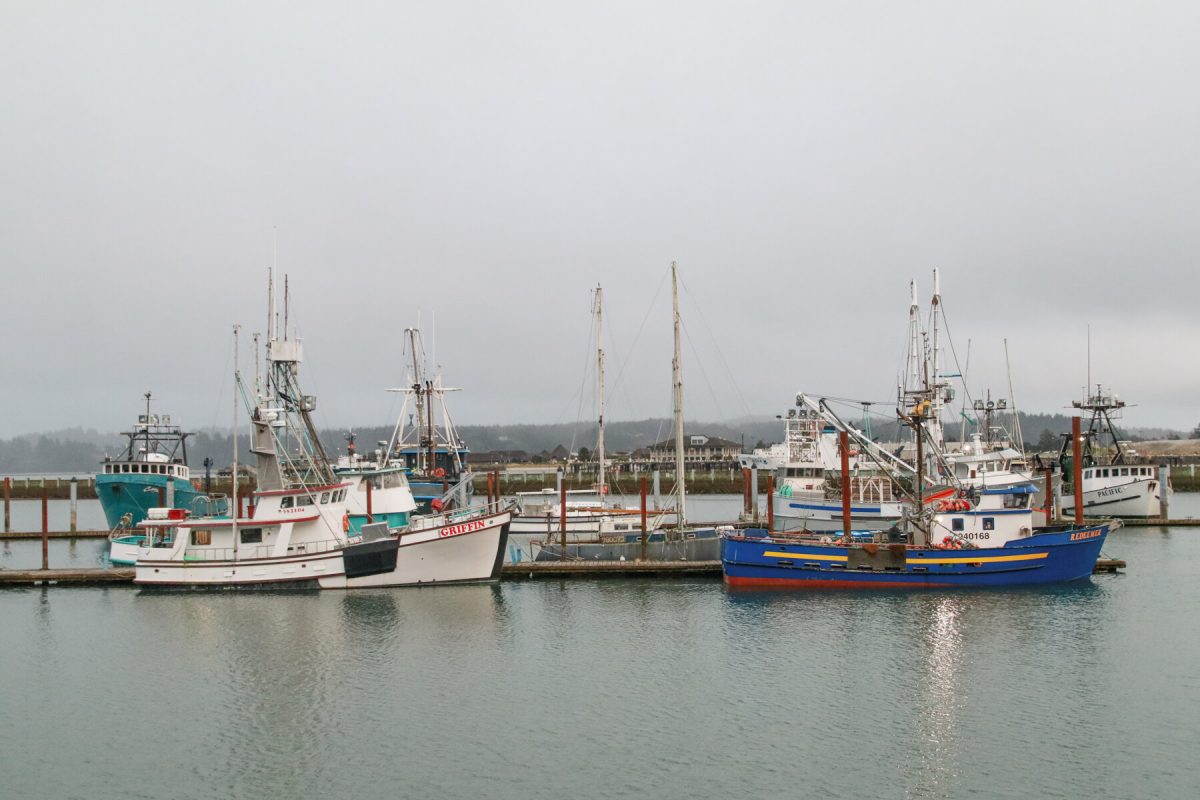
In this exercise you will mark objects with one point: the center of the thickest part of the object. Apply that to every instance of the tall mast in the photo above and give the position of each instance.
(146, 427)
(935, 379)
(677, 382)
(418, 389)
(600, 383)
(237, 379)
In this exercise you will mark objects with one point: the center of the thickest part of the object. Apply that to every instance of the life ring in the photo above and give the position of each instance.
(346, 522)
(941, 505)
(439, 473)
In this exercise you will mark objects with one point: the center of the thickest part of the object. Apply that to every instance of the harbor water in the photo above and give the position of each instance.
(610, 688)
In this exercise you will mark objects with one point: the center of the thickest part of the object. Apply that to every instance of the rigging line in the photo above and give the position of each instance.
(221, 386)
(717, 345)
(703, 372)
(954, 353)
(649, 309)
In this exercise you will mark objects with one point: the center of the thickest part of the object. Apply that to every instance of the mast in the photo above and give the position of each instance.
(937, 396)
(677, 382)
(600, 384)
(418, 390)
(233, 506)
(146, 427)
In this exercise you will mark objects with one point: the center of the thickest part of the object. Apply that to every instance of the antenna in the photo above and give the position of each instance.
(285, 307)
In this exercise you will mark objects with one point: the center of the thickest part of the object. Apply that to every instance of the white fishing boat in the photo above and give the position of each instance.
(298, 533)
(1113, 486)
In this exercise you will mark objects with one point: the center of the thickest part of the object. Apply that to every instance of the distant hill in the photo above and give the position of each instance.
(79, 451)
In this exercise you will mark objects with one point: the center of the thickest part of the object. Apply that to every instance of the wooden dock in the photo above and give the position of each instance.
(532, 570)
(65, 577)
(20, 535)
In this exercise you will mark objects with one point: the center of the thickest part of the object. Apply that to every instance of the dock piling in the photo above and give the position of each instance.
(1164, 495)
(45, 532)
(844, 441)
(7, 504)
(74, 504)
(1077, 468)
(770, 503)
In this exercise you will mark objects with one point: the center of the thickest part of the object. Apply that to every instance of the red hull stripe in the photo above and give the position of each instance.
(313, 490)
(792, 583)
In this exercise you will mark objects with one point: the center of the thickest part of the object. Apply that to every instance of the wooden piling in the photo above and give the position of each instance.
(7, 504)
(1077, 468)
(562, 517)
(1049, 494)
(770, 503)
(45, 532)
(74, 504)
(844, 442)
(746, 491)
(370, 517)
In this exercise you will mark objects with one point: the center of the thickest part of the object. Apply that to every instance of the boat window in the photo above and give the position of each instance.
(1087, 473)
(202, 537)
(303, 500)
(324, 498)
(285, 502)
(1124, 471)
(956, 524)
(251, 535)
(989, 523)
(1016, 501)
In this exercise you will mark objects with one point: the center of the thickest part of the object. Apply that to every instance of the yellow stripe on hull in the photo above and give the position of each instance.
(913, 561)
(810, 556)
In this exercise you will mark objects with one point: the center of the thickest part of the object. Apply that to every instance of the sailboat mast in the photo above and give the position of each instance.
(233, 507)
(600, 384)
(677, 382)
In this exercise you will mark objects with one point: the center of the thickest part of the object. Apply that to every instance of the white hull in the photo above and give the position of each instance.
(462, 550)
(434, 556)
(821, 516)
(1133, 499)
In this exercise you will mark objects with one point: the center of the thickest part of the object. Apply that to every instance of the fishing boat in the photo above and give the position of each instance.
(982, 538)
(617, 539)
(1112, 484)
(380, 491)
(152, 473)
(298, 532)
(431, 450)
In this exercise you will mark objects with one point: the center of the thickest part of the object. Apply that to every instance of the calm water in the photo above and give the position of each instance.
(638, 689)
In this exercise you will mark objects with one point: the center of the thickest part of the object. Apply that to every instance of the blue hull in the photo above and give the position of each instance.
(1054, 556)
(127, 494)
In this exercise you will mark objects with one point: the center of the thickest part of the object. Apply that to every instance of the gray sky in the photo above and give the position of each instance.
(491, 162)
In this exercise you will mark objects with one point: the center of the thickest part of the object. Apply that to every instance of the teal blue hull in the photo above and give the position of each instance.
(135, 494)
(398, 519)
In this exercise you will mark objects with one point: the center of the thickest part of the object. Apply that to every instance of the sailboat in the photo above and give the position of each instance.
(582, 515)
(678, 542)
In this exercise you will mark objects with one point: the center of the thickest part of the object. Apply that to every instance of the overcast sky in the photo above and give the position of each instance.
(488, 163)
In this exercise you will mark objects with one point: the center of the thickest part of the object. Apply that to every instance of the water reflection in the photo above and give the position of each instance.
(939, 757)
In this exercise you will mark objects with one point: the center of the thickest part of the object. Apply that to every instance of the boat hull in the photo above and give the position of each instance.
(1133, 499)
(824, 516)
(465, 549)
(135, 495)
(1055, 556)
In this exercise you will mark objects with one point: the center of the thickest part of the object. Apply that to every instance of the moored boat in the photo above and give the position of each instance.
(152, 473)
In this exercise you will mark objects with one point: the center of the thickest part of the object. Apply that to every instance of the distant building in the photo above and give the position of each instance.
(698, 451)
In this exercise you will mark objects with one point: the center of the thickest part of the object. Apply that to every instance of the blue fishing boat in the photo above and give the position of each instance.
(986, 538)
(151, 473)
